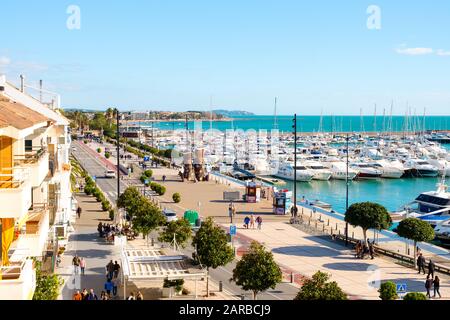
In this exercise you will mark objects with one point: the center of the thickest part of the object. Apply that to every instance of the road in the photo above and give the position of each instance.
(96, 167)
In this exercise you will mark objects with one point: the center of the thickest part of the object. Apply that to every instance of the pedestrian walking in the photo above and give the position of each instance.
(84, 294)
(428, 285)
(79, 212)
(259, 222)
(230, 211)
(252, 221)
(114, 289)
(371, 249)
(104, 296)
(246, 222)
(436, 285)
(108, 286)
(431, 267)
(110, 270)
(116, 269)
(77, 296)
(421, 263)
(294, 211)
(82, 265)
(100, 229)
(92, 295)
(164, 178)
(76, 264)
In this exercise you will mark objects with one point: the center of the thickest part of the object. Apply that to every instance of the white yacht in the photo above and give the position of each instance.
(421, 168)
(387, 170)
(286, 171)
(339, 170)
(319, 170)
(442, 165)
(431, 206)
(366, 171)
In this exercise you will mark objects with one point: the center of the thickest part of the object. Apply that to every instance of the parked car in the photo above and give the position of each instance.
(110, 174)
(170, 215)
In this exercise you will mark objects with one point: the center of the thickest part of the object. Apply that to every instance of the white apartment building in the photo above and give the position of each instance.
(35, 195)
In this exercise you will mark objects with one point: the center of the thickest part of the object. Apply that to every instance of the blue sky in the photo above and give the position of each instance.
(175, 55)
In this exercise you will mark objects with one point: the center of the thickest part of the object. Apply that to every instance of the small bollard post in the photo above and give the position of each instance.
(336, 226)
(324, 227)
(328, 222)
(320, 217)
(339, 231)
(292, 277)
(153, 242)
(220, 286)
(353, 234)
(242, 296)
(309, 222)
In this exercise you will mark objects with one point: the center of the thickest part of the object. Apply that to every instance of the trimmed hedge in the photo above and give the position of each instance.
(176, 197)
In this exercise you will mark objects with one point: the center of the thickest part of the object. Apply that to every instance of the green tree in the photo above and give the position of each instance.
(368, 215)
(416, 230)
(180, 229)
(388, 291)
(147, 218)
(212, 247)
(130, 200)
(257, 271)
(176, 197)
(414, 296)
(47, 285)
(318, 288)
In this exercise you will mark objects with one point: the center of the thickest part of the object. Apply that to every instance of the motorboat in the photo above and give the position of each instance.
(286, 171)
(421, 168)
(387, 170)
(339, 170)
(366, 171)
(319, 170)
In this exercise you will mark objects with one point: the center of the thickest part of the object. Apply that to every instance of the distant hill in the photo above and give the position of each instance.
(233, 113)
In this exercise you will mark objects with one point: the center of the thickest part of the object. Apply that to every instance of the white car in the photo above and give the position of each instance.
(170, 215)
(110, 174)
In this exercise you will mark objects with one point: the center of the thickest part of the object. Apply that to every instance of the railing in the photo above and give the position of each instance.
(14, 179)
(31, 157)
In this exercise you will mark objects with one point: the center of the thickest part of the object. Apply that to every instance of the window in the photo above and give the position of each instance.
(28, 145)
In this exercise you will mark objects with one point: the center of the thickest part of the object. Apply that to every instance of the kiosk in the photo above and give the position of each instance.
(282, 201)
(252, 192)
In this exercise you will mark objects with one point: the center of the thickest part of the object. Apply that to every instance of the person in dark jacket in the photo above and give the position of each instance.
(436, 285)
(92, 295)
(431, 269)
(371, 249)
(421, 263)
(428, 285)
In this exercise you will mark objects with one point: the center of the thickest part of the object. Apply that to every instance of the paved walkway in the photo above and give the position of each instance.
(306, 254)
(85, 243)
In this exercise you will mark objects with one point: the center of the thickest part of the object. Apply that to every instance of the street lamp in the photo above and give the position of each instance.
(295, 164)
(118, 152)
(346, 194)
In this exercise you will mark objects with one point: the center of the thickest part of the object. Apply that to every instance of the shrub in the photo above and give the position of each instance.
(85, 141)
(415, 296)
(176, 197)
(99, 150)
(47, 285)
(177, 284)
(107, 155)
(148, 173)
(388, 291)
(106, 205)
(88, 189)
(111, 214)
(143, 178)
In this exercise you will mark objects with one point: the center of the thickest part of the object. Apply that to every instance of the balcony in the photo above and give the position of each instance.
(18, 280)
(34, 233)
(15, 192)
(38, 162)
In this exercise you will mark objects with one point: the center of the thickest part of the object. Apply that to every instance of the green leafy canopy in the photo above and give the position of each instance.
(368, 215)
(415, 229)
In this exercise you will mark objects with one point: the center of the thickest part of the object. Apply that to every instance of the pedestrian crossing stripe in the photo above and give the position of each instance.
(401, 287)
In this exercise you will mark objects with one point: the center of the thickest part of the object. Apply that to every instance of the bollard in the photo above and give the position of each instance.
(320, 217)
(339, 232)
(328, 222)
(220, 286)
(336, 226)
(242, 296)
(153, 242)
(310, 214)
(324, 228)
(353, 235)
(309, 222)
(292, 277)
(302, 210)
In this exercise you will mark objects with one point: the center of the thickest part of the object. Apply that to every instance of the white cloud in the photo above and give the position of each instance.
(443, 53)
(4, 61)
(414, 51)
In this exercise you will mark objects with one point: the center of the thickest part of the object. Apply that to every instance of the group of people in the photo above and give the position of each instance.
(362, 249)
(85, 295)
(78, 264)
(432, 282)
(136, 296)
(249, 222)
(109, 231)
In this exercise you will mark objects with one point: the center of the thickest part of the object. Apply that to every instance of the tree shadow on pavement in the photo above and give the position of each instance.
(306, 251)
(350, 266)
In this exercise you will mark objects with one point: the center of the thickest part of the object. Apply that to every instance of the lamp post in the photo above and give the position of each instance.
(118, 153)
(295, 163)
(346, 193)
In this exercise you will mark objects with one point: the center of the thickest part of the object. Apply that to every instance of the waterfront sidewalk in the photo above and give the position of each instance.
(85, 243)
(305, 254)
